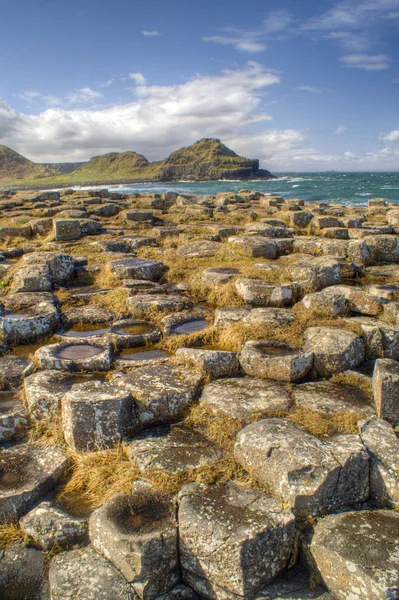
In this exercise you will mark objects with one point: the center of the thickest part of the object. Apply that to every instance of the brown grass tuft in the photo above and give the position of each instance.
(10, 533)
(97, 476)
(322, 425)
(115, 300)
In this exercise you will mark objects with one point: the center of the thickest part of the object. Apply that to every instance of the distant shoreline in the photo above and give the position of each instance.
(65, 186)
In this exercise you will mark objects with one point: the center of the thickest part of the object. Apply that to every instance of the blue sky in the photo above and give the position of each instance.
(310, 85)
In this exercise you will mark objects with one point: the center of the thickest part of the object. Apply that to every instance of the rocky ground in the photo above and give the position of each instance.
(199, 397)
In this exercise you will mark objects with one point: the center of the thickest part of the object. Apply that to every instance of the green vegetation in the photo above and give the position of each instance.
(207, 159)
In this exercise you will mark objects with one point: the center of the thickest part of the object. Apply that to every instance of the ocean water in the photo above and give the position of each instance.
(330, 187)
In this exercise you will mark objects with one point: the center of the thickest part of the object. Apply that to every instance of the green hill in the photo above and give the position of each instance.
(207, 159)
(15, 167)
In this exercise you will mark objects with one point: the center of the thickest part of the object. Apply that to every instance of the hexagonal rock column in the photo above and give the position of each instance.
(161, 394)
(303, 471)
(13, 369)
(148, 303)
(27, 473)
(50, 526)
(383, 447)
(96, 415)
(61, 266)
(240, 398)
(215, 363)
(259, 293)
(331, 398)
(43, 393)
(30, 319)
(274, 360)
(75, 356)
(356, 554)
(334, 350)
(86, 575)
(173, 449)
(386, 390)
(136, 268)
(13, 416)
(232, 540)
(138, 534)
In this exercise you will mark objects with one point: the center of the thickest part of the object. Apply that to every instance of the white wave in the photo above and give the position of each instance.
(297, 185)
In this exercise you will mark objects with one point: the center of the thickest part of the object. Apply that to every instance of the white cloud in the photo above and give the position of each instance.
(159, 120)
(151, 33)
(83, 96)
(308, 88)
(391, 137)
(351, 41)
(367, 62)
(254, 40)
(28, 95)
(341, 130)
(138, 78)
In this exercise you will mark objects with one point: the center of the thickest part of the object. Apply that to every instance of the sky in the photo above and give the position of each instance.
(303, 86)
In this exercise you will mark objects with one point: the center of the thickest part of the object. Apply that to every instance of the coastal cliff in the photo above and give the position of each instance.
(206, 160)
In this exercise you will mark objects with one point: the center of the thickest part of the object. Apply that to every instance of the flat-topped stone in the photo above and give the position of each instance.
(27, 473)
(241, 398)
(300, 469)
(51, 526)
(13, 416)
(355, 553)
(86, 575)
(97, 415)
(173, 449)
(330, 398)
(136, 268)
(161, 394)
(334, 350)
(232, 540)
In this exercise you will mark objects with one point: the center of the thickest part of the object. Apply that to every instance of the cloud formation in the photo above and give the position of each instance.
(367, 62)
(253, 40)
(150, 33)
(157, 121)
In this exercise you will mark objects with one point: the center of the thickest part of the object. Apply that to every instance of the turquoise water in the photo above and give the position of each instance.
(348, 188)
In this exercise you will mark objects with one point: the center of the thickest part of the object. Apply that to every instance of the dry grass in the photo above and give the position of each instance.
(47, 433)
(322, 425)
(95, 477)
(11, 533)
(358, 381)
(115, 300)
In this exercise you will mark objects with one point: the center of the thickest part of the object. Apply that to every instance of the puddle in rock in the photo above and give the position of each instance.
(78, 352)
(142, 353)
(135, 329)
(17, 315)
(190, 327)
(79, 333)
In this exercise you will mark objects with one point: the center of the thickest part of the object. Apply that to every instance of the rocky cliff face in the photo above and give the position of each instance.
(209, 159)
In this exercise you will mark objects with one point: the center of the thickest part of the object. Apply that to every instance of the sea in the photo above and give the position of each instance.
(329, 187)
